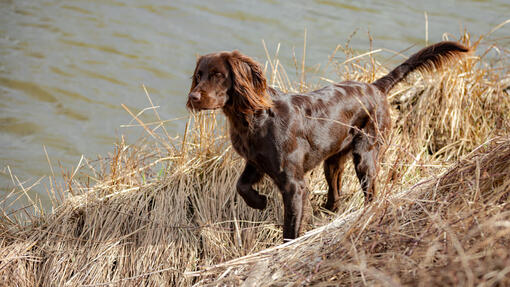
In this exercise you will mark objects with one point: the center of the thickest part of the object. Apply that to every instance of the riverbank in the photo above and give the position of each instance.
(164, 211)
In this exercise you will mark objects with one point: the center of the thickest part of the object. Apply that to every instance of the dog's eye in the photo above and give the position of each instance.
(218, 75)
(198, 75)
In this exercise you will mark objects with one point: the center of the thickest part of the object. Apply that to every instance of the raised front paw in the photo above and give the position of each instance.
(258, 202)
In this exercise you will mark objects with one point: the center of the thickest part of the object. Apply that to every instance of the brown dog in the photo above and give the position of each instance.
(286, 135)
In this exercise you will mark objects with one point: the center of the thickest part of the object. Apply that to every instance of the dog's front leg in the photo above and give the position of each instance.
(294, 193)
(248, 178)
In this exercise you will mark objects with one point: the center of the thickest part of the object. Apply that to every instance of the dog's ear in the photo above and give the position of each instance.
(194, 82)
(254, 71)
(249, 88)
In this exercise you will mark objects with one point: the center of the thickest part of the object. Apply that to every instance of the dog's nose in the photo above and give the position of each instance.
(194, 96)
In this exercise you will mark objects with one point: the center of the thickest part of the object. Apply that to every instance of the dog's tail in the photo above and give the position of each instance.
(433, 56)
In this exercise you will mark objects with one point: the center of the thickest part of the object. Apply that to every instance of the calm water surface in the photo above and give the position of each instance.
(66, 66)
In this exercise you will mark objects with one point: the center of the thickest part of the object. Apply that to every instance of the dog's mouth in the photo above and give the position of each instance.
(192, 107)
(197, 107)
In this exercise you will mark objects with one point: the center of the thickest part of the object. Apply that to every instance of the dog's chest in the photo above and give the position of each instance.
(259, 149)
(240, 145)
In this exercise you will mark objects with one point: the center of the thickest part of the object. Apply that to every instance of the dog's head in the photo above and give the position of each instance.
(228, 79)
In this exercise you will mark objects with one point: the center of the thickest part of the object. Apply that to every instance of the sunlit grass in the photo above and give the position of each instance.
(164, 210)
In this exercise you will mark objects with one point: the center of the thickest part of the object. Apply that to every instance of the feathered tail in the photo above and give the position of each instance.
(433, 56)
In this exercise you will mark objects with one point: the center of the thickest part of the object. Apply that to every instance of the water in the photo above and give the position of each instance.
(66, 66)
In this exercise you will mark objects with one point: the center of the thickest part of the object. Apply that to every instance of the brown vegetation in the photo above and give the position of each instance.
(164, 211)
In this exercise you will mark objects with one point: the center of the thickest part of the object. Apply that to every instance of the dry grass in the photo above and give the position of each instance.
(164, 211)
(453, 229)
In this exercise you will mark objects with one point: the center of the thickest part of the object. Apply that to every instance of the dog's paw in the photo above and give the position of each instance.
(261, 202)
(331, 206)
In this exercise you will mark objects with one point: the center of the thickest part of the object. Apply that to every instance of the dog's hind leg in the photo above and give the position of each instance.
(333, 169)
(248, 178)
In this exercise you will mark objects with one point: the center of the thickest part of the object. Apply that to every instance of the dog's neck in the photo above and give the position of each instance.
(248, 123)
(239, 122)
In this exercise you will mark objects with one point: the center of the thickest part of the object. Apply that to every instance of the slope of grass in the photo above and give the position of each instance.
(164, 211)
(449, 230)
